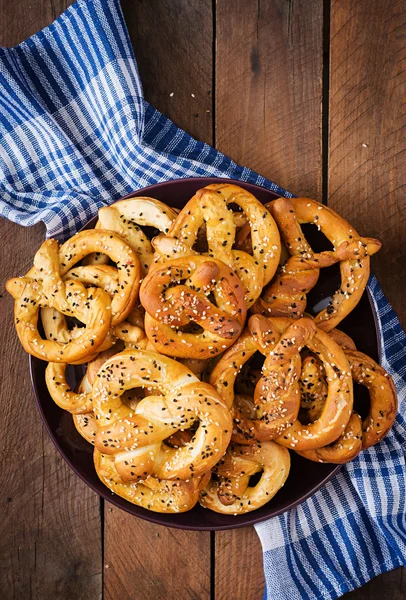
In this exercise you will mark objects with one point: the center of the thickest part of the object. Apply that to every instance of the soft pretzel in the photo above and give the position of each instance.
(344, 449)
(135, 438)
(276, 397)
(383, 402)
(152, 494)
(91, 306)
(176, 295)
(286, 296)
(382, 395)
(126, 217)
(209, 206)
(162, 496)
(79, 402)
(230, 493)
(125, 292)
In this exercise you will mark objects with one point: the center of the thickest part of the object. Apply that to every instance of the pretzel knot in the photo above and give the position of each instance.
(135, 437)
(192, 292)
(276, 398)
(126, 218)
(210, 208)
(163, 496)
(286, 295)
(230, 493)
(46, 285)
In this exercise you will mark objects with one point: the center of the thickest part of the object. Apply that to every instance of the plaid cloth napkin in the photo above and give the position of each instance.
(76, 133)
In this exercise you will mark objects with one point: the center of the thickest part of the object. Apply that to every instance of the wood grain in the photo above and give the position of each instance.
(269, 61)
(367, 158)
(389, 586)
(144, 561)
(18, 20)
(239, 572)
(50, 545)
(268, 89)
(173, 43)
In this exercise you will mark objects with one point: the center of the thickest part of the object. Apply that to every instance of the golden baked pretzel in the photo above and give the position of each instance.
(383, 402)
(136, 437)
(152, 494)
(210, 207)
(126, 217)
(181, 293)
(230, 493)
(359, 435)
(79, 402)
(276, 396)
(91, 306)
(286, 295)
(162, 496)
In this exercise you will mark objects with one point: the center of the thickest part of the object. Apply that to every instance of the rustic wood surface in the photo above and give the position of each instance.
(310, 95)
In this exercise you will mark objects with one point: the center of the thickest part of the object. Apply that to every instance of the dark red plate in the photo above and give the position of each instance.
(305, 477)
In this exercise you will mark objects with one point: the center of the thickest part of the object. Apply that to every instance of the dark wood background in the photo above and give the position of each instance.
(309, 93)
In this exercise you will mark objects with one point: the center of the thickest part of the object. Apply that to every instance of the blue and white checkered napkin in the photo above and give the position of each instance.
(76, 133)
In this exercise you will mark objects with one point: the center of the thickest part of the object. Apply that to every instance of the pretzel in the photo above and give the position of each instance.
(231, 494)
(135, 438)
(125, 292)
(175, 295)
(79, 402)
(153, 494)
(126, 217)
(286, 295)
(276, 396)
(209, 206)
(91, 306)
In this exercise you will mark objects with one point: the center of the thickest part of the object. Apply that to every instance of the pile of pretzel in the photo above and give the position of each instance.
(171, 312)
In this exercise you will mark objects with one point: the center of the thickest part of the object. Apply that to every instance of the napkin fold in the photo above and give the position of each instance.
(77, 134)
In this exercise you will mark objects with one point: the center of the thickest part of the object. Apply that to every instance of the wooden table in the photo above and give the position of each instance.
(308, 94)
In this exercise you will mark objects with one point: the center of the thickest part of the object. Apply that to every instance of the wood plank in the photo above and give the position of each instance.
(269, 61)
(389, 586)
(367, 166)
(18, 22)
(50, 545)
(234, 549)
(51, 535)
(173, 43)
(268, 89)
(144, 561)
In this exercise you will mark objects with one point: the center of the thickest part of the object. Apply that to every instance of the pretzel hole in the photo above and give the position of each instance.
(361, 400)
(317, 240)
(255, 478)
(191, 327)
(249, 375)
(201, 245)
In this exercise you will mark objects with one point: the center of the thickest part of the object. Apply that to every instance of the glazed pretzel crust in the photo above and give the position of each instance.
(286, 296)
(177, 293)
(230, 494)
(209, 206)
(135, 437)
